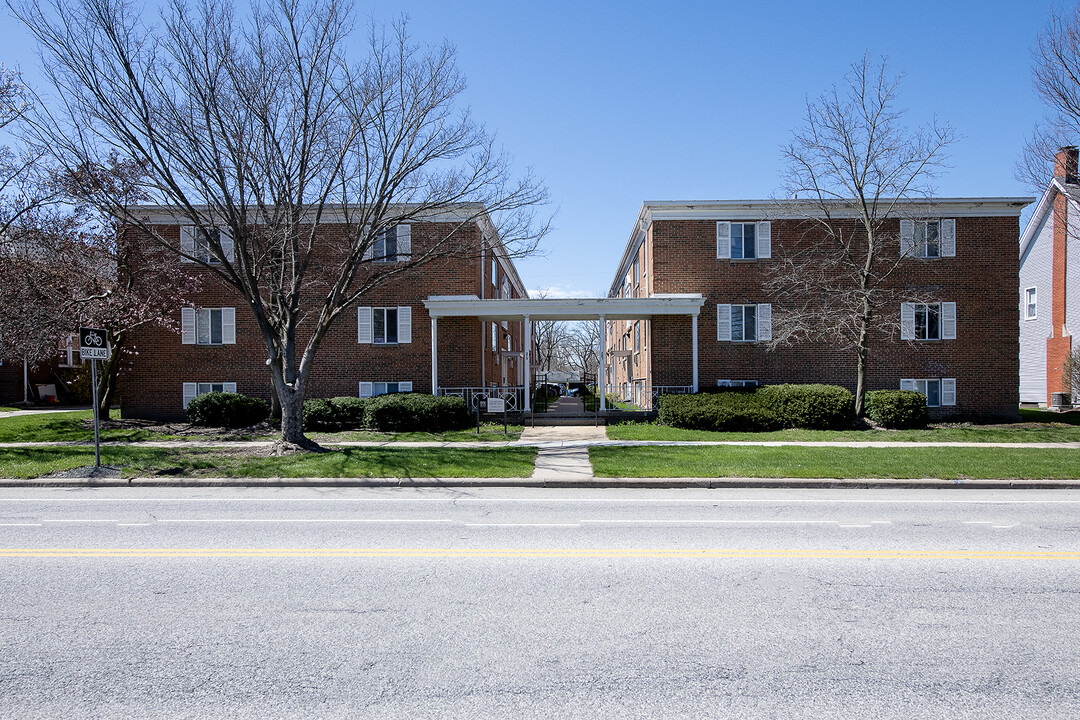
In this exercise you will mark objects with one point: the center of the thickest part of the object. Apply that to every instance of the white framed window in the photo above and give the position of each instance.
(743, 323)
(393, 244)
(197, 243)
(938, 391)
(69, 351)
(505, 292)
(384, 325)
(928, 238)
(736, 383)
(193, 390)
(928, 321)
(371, 389)
(1030, 304)
(208, 326)
(743, 240)
(494, 337)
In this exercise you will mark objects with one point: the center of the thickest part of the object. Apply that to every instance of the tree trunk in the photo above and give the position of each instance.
(110, 371)
(862, 352)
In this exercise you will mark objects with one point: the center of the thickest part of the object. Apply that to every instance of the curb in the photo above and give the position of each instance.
(577, 483)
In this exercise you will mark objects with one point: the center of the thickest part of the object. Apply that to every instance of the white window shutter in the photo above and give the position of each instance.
(404, 324)
(907, 385)
(190, 391)
(723, 323)
(907, 237)
(723, 240)
(948, 391)
(365, 389)
(228, 387)
(948, 321)
(764, 321)
(187, 245)
(363, 325)
(204, 326)
(907, 321)
(948, 238)
(187, 326)
(226, 240)
(404, 243)
(404, 387)
(228, 326)
(764, 239)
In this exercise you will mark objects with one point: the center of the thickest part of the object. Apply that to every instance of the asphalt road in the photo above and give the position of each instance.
(531, 603)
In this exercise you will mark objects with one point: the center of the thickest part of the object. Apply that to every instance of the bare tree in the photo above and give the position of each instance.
(583, 347)
(855, 168)
(260, 127)
(1056, 75)
(1070, 375)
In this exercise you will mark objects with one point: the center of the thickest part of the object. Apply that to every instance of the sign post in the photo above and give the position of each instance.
(94, 346)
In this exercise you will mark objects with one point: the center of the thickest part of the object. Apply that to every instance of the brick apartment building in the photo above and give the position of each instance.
(1050, 284)
(387, 348)
(960, 349)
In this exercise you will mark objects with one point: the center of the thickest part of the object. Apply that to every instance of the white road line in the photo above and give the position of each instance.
(855, 526)
(713, 522)
(132, 524)
(302, 520)
(68, 520)
(881, 522)
(688, 501)
(522, 524)
(20, 524)
(978, 522)
(1006, 527)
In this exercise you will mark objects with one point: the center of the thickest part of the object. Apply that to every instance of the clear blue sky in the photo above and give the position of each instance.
(616, 103)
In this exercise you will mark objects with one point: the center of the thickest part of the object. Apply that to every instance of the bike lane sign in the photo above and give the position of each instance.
(93, 344)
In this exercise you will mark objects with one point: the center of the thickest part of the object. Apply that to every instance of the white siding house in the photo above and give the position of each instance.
(1036, 259)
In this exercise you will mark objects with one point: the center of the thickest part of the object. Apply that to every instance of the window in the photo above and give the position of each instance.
(193, 390)
(391, 245)
(637, 336)
(736, 383)
(743, 323)
(505, 288)
(69, 352)
(494, 337)
(197, 243)
(743, 240)
(1029, 304)
(928, 238)
(938, 392)
(371, 389)
(208, 326)
(384, 326)
(928, 321)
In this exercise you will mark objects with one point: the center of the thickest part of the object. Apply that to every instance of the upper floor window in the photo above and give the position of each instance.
(394, 244)
(198, 244)
(928, 238)
(743, 240)
(928, 321)
(208, 326)
(1029, 304)
(743, 323)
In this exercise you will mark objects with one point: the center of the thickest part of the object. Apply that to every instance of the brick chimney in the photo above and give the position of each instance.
(1065, 165)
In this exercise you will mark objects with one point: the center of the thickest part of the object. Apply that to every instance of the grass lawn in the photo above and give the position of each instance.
(489, 432)
(812, 462)
(344, 463)
(1034, 426)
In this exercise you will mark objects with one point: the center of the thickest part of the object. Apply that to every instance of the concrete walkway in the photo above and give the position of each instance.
(40, 411)
(562, 450)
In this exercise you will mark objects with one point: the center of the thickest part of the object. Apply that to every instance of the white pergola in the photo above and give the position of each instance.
(527, 310)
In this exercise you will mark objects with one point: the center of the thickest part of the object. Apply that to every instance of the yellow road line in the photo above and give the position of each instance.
(537, 553)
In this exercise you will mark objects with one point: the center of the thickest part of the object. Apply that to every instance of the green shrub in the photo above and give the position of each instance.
(897, 409)
(813, 407)
(227, 410)
(734, 411)
(339, 413)
(403, 412)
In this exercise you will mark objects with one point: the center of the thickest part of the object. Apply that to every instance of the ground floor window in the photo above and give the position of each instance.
(938, 391)
(193, 390)
(371, 389)
(736, 383)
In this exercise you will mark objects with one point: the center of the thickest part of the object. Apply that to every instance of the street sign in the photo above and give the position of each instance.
(496, 405)
(92, 344)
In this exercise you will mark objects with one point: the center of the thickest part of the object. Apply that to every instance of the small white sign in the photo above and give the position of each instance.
(93, 344)
(496, 405)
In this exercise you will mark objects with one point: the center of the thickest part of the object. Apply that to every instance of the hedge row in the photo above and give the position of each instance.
(769, 408)
(397, 412)
(227, 410)
(897, 409)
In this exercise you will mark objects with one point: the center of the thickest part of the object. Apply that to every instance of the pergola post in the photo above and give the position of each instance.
(527, 356)
(693, 345)
(434, 356)
(603, 364)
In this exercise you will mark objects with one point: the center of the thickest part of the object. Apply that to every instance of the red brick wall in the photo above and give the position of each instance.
(981, 280)
(153, 387)
(1059, 346)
